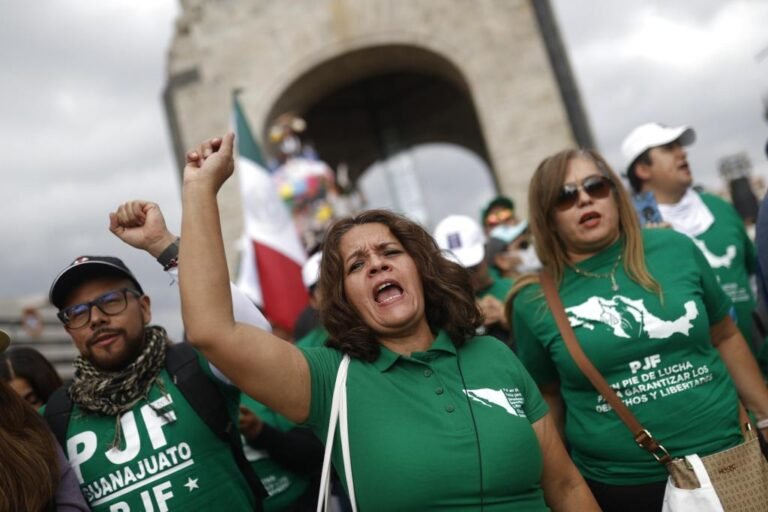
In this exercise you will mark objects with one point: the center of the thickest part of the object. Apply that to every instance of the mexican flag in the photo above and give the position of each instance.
(270, 264)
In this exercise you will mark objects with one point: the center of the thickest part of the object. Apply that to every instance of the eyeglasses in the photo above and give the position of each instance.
(596, 187)
(498, 217)
(111, 303)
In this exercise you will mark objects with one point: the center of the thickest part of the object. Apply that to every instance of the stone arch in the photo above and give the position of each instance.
(369, 103)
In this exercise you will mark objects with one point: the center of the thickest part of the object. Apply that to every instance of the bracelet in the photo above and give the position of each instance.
(169, 258)
(762, 424)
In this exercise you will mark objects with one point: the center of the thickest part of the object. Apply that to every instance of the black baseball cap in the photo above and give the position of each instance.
(496, 202)
(84, 268)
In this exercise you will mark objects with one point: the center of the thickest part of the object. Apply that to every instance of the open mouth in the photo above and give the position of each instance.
(588, 217)
(387, 291)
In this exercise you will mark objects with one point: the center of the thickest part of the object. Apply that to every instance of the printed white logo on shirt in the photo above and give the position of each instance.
(629, 318)
(509, 399)
(713, 259)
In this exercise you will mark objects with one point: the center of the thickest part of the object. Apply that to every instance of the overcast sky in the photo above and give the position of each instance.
(82, 125)
(690, 62)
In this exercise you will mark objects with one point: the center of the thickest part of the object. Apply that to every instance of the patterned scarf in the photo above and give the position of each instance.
(112, 393)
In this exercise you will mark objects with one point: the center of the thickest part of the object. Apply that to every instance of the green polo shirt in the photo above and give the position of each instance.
(171, 461)
(731, 254)
(657, 355)
(416, 424)
(284, 486)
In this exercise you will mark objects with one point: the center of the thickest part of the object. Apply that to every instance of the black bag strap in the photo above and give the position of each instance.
(182, 363)
(58, 409)
(642, 436)
(202, 394)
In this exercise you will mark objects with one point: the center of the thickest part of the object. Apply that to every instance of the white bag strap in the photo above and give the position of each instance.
(344, 431)
(339, 398)
(699, 470)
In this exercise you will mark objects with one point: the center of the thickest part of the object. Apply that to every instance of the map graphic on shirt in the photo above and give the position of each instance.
(511, 400)
(629, 318)
(713, 259)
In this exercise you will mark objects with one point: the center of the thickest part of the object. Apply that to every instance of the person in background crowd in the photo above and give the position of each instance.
(510, 251)
(133, 403)
(656, 162)
(761, 241)
(309, 332)
(30, 374)
(287, 458)
(405, 316)
(499, 211)
(659, 333)
(34, 474)
(462, 240)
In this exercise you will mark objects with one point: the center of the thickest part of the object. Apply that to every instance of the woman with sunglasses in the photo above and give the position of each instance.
(648, 312)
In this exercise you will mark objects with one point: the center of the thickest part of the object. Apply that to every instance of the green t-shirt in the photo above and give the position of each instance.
(731, 254)
(284, 486)
(162, 462)
(499, 288)
(657, 355)
(412, 434)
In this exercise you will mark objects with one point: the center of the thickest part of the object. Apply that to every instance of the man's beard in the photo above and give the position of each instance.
(115, 361)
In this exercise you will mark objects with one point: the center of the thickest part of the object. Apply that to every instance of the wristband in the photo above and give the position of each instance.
(169, 258)
(762, 424)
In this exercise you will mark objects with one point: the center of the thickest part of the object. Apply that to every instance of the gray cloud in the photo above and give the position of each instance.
(83, 128)
(678, 63)
(81, 118)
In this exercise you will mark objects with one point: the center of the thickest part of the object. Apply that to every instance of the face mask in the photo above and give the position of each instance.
(508, 233)
(529, 262)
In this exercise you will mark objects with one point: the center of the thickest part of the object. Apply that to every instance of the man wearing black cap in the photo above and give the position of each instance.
(657, 162)
(148, 425)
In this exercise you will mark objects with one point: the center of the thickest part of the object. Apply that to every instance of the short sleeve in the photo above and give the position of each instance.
(530, 348)
(535, 407)
(323, 365)
(715, 300)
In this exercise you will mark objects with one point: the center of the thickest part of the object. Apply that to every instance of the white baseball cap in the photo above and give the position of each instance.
(463, 237)
(651, 135)
(310, 272)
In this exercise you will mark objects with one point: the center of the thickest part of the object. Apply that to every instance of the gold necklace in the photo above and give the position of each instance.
(608, 275)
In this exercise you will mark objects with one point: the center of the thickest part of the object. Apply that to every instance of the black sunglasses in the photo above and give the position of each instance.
(596, 187)
(111, 303)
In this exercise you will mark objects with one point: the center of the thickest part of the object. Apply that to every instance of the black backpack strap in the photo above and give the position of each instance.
(58, 409)
(182, 363)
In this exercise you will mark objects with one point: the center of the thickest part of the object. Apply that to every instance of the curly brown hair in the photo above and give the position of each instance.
(448, 296)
